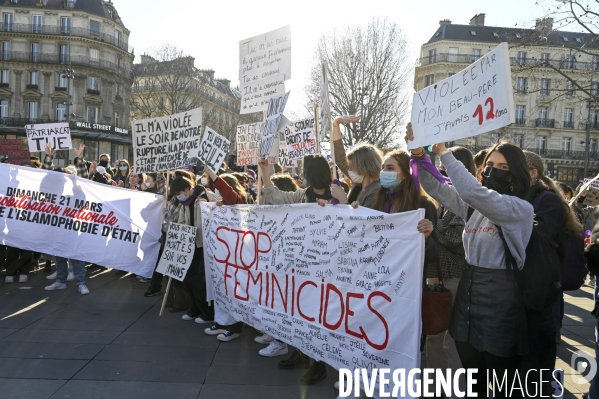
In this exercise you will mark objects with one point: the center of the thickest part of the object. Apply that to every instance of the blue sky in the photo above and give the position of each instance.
(211, 30)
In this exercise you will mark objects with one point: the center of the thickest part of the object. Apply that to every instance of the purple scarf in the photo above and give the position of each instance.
(192, 197)
(390, 196)
(426, 164)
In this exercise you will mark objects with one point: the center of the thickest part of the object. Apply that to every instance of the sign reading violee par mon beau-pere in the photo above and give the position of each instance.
(474, 101)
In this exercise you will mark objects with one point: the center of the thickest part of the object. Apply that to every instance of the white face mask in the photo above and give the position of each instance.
(204, 181)
(355, 178)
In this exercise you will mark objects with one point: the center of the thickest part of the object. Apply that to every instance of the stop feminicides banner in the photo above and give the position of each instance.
(343, 286)
(65, 215)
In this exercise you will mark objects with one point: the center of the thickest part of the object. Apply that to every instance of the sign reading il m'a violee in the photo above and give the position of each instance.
(474, 101)
(57, 134)
(341, 285)
(166, 143)
(178, 251)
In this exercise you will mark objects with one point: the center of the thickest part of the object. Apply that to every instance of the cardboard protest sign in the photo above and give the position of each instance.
(248, 143)
(256, 94)
(57, 134)
(284, 160)
(343, 286)
(213, 149)
(474, 101)
(178, 251)
(300, 138)
(166, 143)
(264, 56)
(79, 219)
(13, 149)
(276, 106)
(592, 196)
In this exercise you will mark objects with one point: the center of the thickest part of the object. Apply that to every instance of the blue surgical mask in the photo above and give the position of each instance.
(182, 197)
(148, 185)
(123, 168)
(389, 180)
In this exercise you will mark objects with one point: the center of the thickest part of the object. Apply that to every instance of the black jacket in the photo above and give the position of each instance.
(550, 217)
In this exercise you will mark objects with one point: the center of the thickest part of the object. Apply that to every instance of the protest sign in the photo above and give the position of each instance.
(57, 134)
(256, 94)
(166, 143)
(79, 219)
(264, 56)
(213, 149)
(592, 196)
(248, 145)
(276, 106)
(342, 285)
(13, 150)
(325, 106)
(284, 160)
(178, 251)
(300, 138)
(474, 101)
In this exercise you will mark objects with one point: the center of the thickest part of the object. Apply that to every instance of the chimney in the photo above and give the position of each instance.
(225, 82)
(478, 20)
(445, 22)
(544, 24)
(209, 73)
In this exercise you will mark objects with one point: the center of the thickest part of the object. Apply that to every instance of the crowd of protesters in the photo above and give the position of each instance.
(481, 211)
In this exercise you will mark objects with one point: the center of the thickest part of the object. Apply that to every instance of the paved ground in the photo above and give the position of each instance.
(111, 344)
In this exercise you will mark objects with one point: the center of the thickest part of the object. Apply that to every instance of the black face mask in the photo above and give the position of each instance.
(104, 163)
(498, 180)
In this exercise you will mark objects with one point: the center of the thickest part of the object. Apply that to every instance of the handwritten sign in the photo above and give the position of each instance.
(166, 143)
(341, 285)
(256, 94)
(264, 56)
(13, 149)
(276, 106)
(213, 149)
(300, 138)
(474, 101)
(57, 134)
(284, 160)
(248, 145)
(325, 127)
(178, 251)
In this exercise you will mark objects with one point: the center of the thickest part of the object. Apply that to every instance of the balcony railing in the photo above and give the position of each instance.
(64, 31)
(31, 87)
(49, 58)
(557, 64)
(568, 125)
(457, 58)
(542, 122)
(520, 121)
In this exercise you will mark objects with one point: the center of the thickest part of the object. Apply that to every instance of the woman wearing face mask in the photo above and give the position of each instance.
(488, 321)
(122, 176)
(105, 163)
(149, 186)
(362, 165)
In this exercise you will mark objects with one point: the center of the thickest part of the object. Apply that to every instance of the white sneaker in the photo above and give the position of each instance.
(56, 286)
(264, 339)
(51, 276)
(214, 330)
(199, 320)
(9, 280)
(70, 276)
(275, 348)
(83, 290)
(336, 385)
(228, 336)
(22, 278)
(187, 318)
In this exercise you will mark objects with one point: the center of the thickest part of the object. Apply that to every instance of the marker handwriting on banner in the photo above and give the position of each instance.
(213, 149)
(300, 138)
(57, 134)
(166, 143)
(178, 251)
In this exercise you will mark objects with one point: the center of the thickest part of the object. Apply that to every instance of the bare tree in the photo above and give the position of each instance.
(370, 73)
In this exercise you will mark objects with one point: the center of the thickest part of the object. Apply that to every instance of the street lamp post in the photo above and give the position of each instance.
(588, 140)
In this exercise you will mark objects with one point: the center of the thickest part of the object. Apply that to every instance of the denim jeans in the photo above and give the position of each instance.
(62, 270)
(594, 388)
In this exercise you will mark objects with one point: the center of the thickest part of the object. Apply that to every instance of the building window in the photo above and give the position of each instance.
(570, 88)
(117, 38)
(61, 112)
(568, 118)
(63, 53)
(521, 86)
(545, 83)
(92, 83)
(7, 22)
(4, 109)
(117, 151)
(5, 76)
(429, 80)
(595, 63)
(65, 25)
(34, 78)
(453, 54)
(450, 74)
(94, 27)
(520, 114)
(519, 140)
(94, 54)
(543, 113)
(36, 22)
(5, 51)
(593, 146)
(118, 89)
(567, 144)
(594, 88)
(62, 80)
(567, 174)
(475, 55)
(32, 108)
(545, 60)
(92, 114)
(35, 52)
(432, 56)
(570, 62)
(541, 143)
(116, 119)
(521, 57)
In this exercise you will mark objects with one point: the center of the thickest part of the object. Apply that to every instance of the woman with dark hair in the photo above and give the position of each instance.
(479, 160)
(135, 180)
(123, 172)
(151, 183)
(488, 322)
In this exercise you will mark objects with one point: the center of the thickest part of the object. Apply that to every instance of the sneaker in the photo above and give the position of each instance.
(275, 348)
(152, 292)
(83, 290)
(315, 374)
(199, 320)
(9, 280)
(56, 286)
(228, 336)
(51, 276)
(22, 278)
(214, 330)
(187, 317)
(48, 266)
(264, 339)
(70, 276)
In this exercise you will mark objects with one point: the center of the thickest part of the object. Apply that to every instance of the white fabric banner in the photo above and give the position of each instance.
(343, 286)
(65, 215)
(474, 101)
